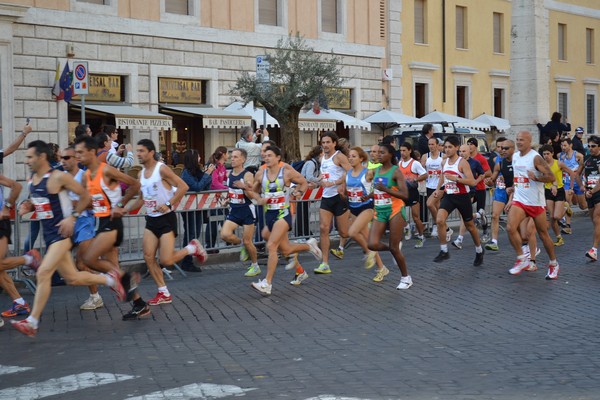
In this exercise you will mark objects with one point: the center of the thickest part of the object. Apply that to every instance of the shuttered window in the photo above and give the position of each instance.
(563, 104)
(589, 46)
(382, 20)
(498, 33)
(461, 27)
(420, 21)
(101, 2)
(590, 108)
(177, 7)
(329, 16)
(562, 38)
(267, 12)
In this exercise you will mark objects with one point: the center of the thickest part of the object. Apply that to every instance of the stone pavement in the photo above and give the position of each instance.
(461, 332)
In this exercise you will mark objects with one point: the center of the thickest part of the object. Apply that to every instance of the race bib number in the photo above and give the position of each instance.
(522, 182)
(150, 204)
(275, 201)
(236, 196)
(451, 187)
(434, 173)
(500, 184)
(43, 209)
(592, 180)
(99, 204)
(325, 176)
(355, 194)
(381, 198)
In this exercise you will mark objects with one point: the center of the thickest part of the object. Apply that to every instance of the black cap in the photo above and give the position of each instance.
(472, 141)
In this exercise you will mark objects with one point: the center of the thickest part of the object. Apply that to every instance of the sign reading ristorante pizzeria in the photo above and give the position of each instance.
(174, 90)
(104, 88)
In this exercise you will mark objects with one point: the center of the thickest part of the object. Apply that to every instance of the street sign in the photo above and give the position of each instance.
(263, 69)
(81, 83)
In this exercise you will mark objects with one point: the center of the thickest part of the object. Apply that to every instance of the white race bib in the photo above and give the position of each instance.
(275, 200)
(43, 209)
(99, 204)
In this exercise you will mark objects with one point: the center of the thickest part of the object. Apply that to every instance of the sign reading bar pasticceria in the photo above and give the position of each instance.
(105, 88)
(185, 91)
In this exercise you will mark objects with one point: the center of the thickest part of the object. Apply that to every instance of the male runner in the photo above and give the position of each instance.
(592, 192)
(573, 160)
(432, 162)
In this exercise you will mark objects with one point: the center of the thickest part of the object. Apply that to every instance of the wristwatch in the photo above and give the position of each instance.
(169, 205)
(75, 214)
(120, 205)
(8, 205)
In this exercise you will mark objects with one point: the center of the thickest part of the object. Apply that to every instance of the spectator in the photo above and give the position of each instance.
(344, 146)
(104, 145)
(113, 134)
(248, 143)
(83, 129)
(552, 128)
(219, 182)
(310, 170)
(119, 162)
(423, 143)
(577, 141)
(179, 155)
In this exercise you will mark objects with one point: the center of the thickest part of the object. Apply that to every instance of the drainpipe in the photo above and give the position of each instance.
(443, 51)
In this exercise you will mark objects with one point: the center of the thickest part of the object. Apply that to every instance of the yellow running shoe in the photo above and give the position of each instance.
(381, 273)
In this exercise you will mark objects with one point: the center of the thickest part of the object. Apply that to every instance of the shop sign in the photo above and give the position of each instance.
(224, 122)
(307, 125)
(340, 98)
(174, 90)
(143, 123)
(106, 88)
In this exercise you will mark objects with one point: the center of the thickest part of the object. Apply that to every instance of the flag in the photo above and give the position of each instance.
(66, 81)
(56, 91)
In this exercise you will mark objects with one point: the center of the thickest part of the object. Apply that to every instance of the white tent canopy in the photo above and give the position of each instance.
(386, 119)
(257, 114)
(500, 124)
(459, 122)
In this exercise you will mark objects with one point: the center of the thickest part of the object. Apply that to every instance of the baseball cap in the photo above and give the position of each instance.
(472, 141)
(579, 130)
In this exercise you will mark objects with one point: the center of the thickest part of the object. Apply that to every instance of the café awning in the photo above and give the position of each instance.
(309, 121)
(257, 114)
(215, 117)
(129, 117)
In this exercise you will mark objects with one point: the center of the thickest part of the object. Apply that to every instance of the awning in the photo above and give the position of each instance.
(255, 113)
(215, 117)
(309, 121)
(500, 124)
(129, 117)
(459, 122)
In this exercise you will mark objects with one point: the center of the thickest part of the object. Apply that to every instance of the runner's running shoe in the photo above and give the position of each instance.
(457, 243)
(37, 259)
(405, 283)
(339, 253)
(160, 298)
(262, 287)
(92, 303)
(532, 266)
(370, 260)
(322, 269)
(24, 327)
(492, 246)
(592, 254)
(314, 248)
(449, 233)
(520, 265)
(299, 278)
(200, 252)
(444, 255)
(253, 270)
(118, 286)
(559, 241)
(137, 312)
(381, 273)
(420, 242)
(553, 271)
(244, 256)
(478, 258)
(17, 309)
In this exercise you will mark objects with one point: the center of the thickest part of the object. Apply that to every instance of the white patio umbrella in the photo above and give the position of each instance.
(500, 124)
(255, 113)
(459, 122)
(386, 119)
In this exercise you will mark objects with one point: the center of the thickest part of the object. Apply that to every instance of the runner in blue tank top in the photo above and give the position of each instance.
(51, 203)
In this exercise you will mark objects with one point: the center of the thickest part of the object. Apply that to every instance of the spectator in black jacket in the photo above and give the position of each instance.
(553, 127)
(426, 134)
(577, 142)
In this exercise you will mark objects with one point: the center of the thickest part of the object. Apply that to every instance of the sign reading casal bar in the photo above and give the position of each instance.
(174, 90)
(104, 88)
(143, 123)
(316, 125)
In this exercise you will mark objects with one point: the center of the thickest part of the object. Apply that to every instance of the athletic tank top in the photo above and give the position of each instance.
(434, 171)
(591, 170)
(506, 169)
(274, 192)
(154, 191)
(330, 173)
(356, 187)
(569, 162)
(527, 192)
(74, 197)
(1, 197)
(104, 198)
(452, 187)
(237, 198)
(50, 208)
(406, 168)
(557, 172)
(383, 201)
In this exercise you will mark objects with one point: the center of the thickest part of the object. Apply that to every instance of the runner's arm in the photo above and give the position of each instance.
(490, 181)
(541, 166)
(169, 176)
(569, 172)
(15, 190)
(342, 161)
(300, 181)
(402, 192)
(132, 183)
(465, 168)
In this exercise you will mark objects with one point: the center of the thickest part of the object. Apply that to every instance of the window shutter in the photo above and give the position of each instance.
(460, 27)
(589, 46)
(419, 21)
(498, 48)
(177, 7)
(329, 16)
(561, 41)
(382, 20)
(267, 12)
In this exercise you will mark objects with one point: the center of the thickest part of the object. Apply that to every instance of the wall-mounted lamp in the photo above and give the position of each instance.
(70, 50)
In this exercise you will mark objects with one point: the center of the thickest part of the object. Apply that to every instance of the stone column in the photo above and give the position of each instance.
(529, 66)
(393, 88)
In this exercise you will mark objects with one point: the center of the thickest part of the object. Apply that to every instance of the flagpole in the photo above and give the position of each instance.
(82, 109)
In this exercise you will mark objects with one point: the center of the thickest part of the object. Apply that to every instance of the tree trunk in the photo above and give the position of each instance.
(290, 137)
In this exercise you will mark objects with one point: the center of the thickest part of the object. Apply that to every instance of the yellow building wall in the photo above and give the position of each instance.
(479, 54)
(303, 18)
(575, 65)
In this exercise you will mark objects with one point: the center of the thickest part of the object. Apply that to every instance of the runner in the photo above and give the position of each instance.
(389, 196)
(503, 179)
(592, 195)
(573, 160)
(160, 189)
(102, 182)
(334, 165)
(457, 179)
(359, 184)
(49, 198)
(274, 182)
(413, 173)
(530, 174)
(242, 211)
(480, 189)
(84, 227)
(555, 192)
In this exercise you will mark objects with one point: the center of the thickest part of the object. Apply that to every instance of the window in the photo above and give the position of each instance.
(421, 100)
(590, 112)
(589, 46)
(461, 101)
(499, 103)
(382, 19)
(177, 7)
(267, 12)
(101, 2)
(563, 104)
(461, 27)
(420, 36)
(329, 16)
(498, 33)
(562, 42)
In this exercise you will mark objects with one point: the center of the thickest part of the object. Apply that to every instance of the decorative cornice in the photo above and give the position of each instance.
(462, 69)
(500, 73)
(423, 65)
(564, 78)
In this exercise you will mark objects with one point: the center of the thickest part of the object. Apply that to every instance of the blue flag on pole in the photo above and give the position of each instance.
(66, 81)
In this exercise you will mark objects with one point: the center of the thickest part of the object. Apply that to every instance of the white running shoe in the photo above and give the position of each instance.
(405, 283)
(292, 262)
(92, 303)
(299, 278)
(262, 287)
(434, 232)
(314, 248)
(521, 264)
(553, 271)
(449, 234)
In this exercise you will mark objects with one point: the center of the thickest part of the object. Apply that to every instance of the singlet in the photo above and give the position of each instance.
(407, 169)
(527, 192)
(330, 173)
(154, 191)
(506, 169)
(452, 187)
(103, 197)
(356, 187)
(592, 171)
(50, 208)
(557, 175)
(275, 193)
(74, 197)
(434, 170)
(237, 198)
(1, 197)
(384, 201)
(569, 162)
(500, 182)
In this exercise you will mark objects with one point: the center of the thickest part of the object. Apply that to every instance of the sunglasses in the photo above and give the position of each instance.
(505, 148)
(592, 146)
(66, 158)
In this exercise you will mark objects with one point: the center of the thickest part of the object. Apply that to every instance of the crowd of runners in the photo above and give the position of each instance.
(367, 197)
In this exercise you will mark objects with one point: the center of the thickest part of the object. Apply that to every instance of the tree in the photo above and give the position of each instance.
(299, 76)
